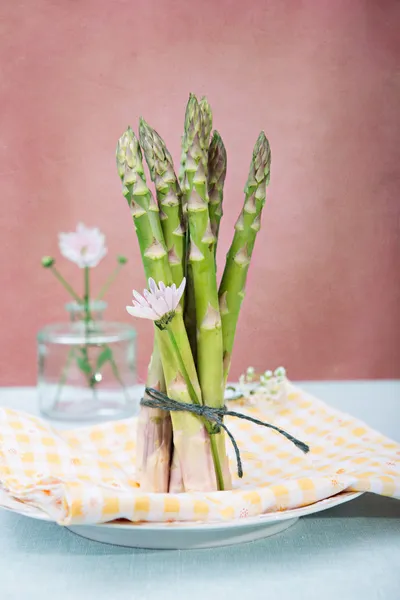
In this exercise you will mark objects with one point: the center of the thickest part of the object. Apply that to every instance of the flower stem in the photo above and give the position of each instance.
(87, 319)
(217, 462)
(117, 376)
(185, 374)
(63, 376)
(195, 400)
(65, 283)
(86, 296)
(112, 277)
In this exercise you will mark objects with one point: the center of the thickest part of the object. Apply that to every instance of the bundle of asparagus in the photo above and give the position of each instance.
(194, 331)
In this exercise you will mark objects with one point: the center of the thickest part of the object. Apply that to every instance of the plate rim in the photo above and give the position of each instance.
(263, 518)
(187, 526)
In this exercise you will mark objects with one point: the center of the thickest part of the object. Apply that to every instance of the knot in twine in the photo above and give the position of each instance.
(213, 416)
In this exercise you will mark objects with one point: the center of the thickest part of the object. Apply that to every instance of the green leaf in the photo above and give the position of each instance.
(84, 365)
(103, 357)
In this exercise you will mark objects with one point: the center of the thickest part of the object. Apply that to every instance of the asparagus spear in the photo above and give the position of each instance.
(202, 262)
(189, 432)
(169, 199)
(154, 430)
(231, 290)
(215, 182)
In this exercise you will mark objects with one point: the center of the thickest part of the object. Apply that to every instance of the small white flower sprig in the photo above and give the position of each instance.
(270, 385)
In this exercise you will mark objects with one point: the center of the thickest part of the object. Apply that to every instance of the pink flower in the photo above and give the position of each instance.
(85, 246)
(161, 300)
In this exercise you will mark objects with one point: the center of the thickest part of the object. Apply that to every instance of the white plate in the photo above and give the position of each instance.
(179, 535)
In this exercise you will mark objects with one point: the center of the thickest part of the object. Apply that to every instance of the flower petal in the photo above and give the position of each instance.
(139, 298)
(142, 313)
(160, 306)
(149, 296)
(169, 298)
(152, 285)
(179, 292)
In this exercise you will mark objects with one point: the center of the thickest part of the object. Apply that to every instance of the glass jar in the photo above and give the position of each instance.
(87, 367)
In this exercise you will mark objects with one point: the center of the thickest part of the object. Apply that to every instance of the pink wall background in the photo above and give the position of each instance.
(322, 79)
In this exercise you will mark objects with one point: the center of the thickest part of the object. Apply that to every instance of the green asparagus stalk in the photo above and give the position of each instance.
(169, 197)
(202, 262)
(168, 193)
(190, 311)
(232, 287)
(189, 432)
(215, 181)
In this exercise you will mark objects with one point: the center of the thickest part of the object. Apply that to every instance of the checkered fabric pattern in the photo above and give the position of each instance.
(88, 475)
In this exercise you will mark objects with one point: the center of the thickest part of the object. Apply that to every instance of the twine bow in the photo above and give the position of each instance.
(215, 417)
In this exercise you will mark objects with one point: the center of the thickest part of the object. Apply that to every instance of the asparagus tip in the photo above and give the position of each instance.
(262, 149)
(217, 159)
(261, 140)
(216, 137)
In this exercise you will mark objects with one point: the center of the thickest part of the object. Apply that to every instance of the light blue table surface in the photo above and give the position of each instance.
(346, 553)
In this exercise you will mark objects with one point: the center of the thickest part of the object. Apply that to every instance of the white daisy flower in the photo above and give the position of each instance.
(85, 246)
(158, 304)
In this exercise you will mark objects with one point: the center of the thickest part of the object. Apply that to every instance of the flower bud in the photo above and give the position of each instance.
(280, 372)
(48, 261)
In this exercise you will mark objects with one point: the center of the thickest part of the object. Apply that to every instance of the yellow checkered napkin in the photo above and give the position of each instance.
(88, 475)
